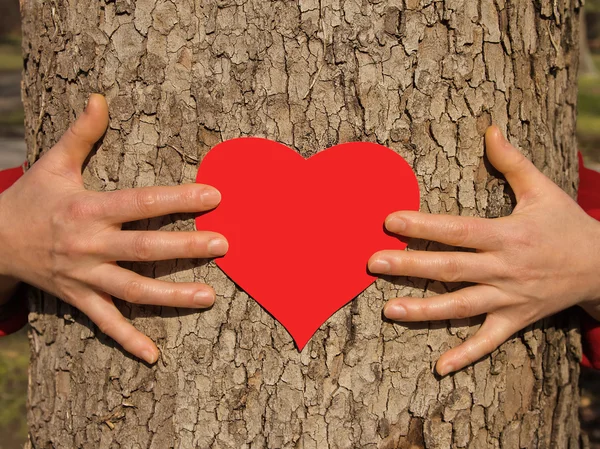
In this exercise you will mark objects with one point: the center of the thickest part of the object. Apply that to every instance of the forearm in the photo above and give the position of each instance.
(8, 284)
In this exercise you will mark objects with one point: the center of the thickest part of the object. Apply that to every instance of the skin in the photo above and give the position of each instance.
(64, 239)
(541, 259)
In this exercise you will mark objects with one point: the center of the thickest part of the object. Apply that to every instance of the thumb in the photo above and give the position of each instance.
(76, 143)
(519, 171)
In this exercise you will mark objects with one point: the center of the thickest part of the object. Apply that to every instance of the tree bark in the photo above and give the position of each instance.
(424, 78)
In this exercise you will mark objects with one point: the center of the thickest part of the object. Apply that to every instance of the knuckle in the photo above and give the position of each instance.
(451, 270)
(190, 195)
(82, 209)
(60, 247)
(93, 246)
(494, 239)
(106, 326)
(70, 246)
(143, 202)
(522, 235)
(520, 162)
(195, 245)
(522, 238)
(462, 307)
(133, 291)
(503, 266)
(425, 309)
(429, 311)
(525, 276)
(142, 247)
(470, 357)
(460, 232)
(73, 131)
(488, 345)
(478, 350)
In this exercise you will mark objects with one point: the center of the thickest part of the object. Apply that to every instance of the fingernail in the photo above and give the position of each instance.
(210, 197)
(395, 224)
(446, 369)
(150, 356)
(395, 312)
(204, 298)
(502, 136)
(217, 246)
(503, 139)
(380, 266)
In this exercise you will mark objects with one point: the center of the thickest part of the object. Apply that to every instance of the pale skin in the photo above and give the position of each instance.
(66, 240)
(543, 258)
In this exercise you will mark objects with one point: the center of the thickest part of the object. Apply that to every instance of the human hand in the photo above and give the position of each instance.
(64, 239)
(541, 259)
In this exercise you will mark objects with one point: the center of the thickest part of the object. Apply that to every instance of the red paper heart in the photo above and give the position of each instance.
(301, 231)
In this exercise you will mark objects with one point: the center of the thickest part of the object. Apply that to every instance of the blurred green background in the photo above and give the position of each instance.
(588, 105)
(14, 351)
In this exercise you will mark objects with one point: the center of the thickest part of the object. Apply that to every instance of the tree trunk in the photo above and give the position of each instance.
(422, 77)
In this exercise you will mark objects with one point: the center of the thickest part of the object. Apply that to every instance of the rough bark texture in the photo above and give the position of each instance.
(422, 77)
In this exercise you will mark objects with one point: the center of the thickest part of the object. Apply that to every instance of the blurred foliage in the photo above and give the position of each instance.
(14, 360)
(12, 118)
(12, 115)
(10, 17)
(588, 115)
(590, 405)
(592, 5)
(10, 54)
(14, 349)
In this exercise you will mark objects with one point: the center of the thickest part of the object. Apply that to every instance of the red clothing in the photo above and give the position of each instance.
(588, 198)
(14, 314)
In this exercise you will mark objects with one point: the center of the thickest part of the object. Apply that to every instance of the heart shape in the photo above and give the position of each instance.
(301, 231)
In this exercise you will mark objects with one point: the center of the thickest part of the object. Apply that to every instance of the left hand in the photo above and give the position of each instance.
(536, 262)
(66, 240)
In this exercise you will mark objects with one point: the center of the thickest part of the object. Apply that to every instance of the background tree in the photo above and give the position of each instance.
(422, 77)
(587, 66)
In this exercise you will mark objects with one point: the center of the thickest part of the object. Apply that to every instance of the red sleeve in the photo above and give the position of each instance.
(13, 315)
(588, 198)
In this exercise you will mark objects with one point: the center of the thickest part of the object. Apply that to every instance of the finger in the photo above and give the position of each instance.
(490, 335)
(137, 289)
(126, 205)
(441, 266)
(142, 246)
(100, 308)
(464, 303)
(468, 232)
(77, 142)
(523, 177)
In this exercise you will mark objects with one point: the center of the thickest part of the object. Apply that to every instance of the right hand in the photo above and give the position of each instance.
(541, 259)
(66, 240)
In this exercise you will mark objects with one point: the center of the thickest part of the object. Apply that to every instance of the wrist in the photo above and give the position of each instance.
(8, 284)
